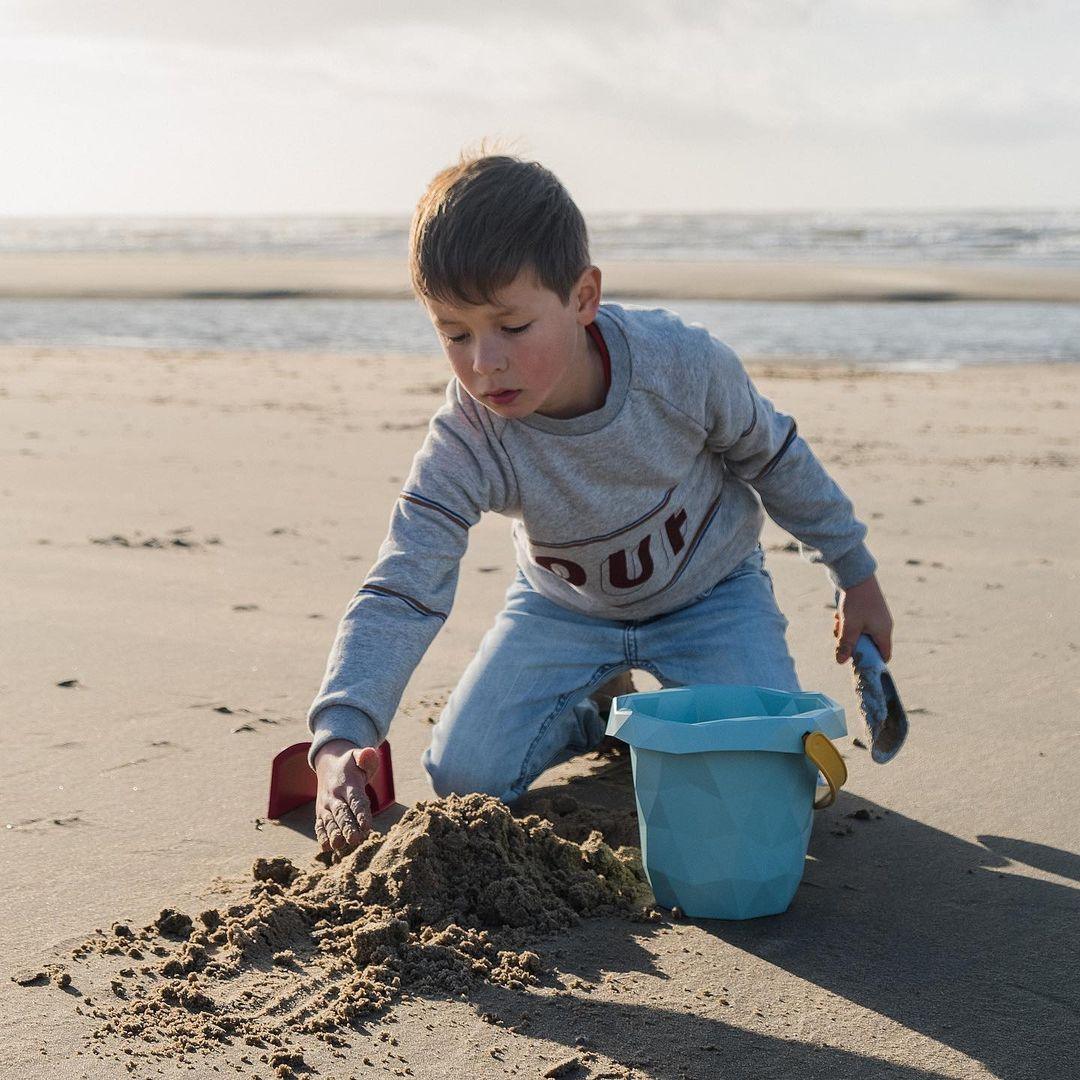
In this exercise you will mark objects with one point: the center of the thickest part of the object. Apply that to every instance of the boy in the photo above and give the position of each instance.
(633, 455)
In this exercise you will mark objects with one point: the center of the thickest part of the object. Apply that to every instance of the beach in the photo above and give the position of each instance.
(173, 275)
(181, 531)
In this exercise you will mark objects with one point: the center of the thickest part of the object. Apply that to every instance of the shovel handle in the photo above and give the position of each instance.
(829, 763)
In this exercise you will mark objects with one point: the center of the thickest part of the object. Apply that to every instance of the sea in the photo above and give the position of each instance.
(913, 335)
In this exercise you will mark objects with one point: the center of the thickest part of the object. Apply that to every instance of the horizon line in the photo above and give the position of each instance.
(406, 214)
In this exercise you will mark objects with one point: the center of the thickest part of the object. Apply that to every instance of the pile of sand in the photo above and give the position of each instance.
(455, 892)
(577, 821)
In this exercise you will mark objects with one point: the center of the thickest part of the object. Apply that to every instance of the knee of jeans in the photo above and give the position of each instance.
(456, 774)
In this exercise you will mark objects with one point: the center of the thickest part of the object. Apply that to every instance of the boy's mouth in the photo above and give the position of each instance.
(503, 397)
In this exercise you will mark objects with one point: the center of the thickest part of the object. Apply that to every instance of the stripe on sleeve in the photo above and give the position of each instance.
(778, 455)
(416, 605)
(431, 504)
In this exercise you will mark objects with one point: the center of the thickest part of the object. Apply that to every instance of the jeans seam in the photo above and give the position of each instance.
(772, 584)
(560, 707)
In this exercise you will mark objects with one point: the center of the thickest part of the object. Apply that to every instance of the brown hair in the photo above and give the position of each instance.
(482, 221)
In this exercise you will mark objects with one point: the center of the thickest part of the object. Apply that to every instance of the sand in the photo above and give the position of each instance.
(451, 896)
(144, 687)
(207, 275)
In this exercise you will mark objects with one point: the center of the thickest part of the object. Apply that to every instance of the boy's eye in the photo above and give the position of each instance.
(509, 329)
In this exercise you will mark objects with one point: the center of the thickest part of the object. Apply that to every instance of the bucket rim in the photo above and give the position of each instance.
(630, 722)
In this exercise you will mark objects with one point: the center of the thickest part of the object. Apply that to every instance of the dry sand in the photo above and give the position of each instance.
(450, 899)
(189, 274)
(934, 934)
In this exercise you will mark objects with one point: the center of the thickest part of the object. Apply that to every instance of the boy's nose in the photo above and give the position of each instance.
(488, 360)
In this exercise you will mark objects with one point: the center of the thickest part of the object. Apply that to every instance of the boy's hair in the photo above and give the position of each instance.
(487, 218)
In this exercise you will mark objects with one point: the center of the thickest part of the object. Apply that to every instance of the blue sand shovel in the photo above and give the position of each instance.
(879, 703)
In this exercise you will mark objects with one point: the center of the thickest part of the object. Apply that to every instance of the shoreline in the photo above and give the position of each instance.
(766, 366)
(205, 276)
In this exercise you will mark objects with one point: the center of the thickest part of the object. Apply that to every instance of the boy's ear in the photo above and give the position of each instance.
(586, 295)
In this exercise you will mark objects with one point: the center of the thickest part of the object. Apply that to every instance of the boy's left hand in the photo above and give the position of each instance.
(862, 610)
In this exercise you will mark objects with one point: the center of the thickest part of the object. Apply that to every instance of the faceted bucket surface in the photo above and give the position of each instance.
(724, 793)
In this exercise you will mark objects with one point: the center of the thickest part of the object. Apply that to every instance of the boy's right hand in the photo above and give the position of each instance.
(342, 809)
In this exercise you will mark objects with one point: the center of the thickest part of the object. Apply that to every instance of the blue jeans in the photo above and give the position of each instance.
(523, 704)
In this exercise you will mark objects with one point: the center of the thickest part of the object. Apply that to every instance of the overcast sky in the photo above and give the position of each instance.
(346, 106)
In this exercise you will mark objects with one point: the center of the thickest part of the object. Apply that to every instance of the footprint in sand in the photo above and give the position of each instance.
(403, 425)
(153, 542)
(37, 824)
(225, 710)
(246, 726)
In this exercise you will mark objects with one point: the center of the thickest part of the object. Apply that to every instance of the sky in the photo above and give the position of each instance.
(181, 107)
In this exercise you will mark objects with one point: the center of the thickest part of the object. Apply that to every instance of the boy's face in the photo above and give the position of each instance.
(528, 351)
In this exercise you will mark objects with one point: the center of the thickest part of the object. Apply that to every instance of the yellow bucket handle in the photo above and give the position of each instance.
(830, 764)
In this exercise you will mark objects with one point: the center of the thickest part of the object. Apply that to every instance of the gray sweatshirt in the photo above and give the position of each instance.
(626, 512)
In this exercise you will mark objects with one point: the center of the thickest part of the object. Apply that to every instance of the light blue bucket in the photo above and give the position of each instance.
(724, 778)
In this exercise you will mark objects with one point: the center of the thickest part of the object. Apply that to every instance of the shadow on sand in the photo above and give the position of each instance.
(939, 934)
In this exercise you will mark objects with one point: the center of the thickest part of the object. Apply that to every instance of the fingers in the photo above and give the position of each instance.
(332, 840)
(862, 610)
(837, 627)
(883, 640)
(361, 810)
(342, 826)
(343, 813)
(847, 633)
(334, 831)
(351, 834)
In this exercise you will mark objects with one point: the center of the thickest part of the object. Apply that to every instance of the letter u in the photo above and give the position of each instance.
(618, 573)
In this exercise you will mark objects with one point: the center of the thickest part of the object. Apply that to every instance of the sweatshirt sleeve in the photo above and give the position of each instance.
(762, 447)
(456, 475)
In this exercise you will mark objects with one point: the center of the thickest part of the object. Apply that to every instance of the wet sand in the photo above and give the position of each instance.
(206, 275)
(180, 533)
